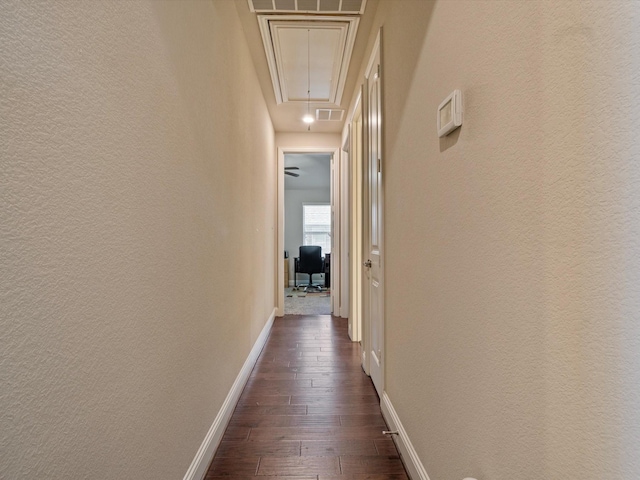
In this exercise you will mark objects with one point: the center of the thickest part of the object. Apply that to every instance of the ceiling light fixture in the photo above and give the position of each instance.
(308, 118)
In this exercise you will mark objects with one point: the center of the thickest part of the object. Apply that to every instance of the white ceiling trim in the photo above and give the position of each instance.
(273, 26)
(347, 7)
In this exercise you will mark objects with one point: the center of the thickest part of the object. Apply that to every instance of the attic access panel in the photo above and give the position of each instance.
(330, 41)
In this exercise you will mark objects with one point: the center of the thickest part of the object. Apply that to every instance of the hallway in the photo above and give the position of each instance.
(308, 411)
(142, 166)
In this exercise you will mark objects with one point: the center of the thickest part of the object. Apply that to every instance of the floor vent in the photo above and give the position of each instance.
(345, 7)
(329, 115)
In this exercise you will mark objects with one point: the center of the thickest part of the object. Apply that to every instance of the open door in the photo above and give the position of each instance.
(373, 309)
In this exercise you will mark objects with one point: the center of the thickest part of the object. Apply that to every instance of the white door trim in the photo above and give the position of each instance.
(345, 250)
(355, 202)
(335, 253)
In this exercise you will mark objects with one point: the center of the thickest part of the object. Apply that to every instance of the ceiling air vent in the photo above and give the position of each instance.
(345, 7)
(329, 115)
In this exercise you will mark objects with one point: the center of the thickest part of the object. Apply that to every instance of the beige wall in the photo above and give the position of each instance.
(136, 232)
(306, 140)
(512, 259)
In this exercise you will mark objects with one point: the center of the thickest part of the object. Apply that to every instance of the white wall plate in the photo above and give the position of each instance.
(450, 113)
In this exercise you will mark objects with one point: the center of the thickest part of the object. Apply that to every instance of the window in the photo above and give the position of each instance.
(316, 226)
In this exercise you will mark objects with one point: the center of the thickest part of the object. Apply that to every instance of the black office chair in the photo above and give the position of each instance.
(311, 262)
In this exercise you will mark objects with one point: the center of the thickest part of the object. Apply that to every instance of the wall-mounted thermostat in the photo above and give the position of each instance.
(450, 113)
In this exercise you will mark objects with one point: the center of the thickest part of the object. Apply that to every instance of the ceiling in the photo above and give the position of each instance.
(314, 170)
(305, 49)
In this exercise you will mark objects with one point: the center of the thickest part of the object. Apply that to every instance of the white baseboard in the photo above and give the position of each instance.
(412, 462)
(201, 461)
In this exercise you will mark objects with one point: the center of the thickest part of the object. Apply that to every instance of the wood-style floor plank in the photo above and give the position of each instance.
(308, 412)
(275, 376)
(339, 409)
(282, 390)
(336, 448)
(386, 447)
(370, 464)
(233, 448)
(338, 399)
(253, 477)
(257, 400)
(286, 384)
(299, 466)
(365, 476)
(242, 410)
(236, 433)
(329, 375)
(234, 466)
(311, 433)
(372, 420)
(257, 421)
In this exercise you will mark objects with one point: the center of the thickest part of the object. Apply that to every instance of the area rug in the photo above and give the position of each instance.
(313, 293)
(299, 302)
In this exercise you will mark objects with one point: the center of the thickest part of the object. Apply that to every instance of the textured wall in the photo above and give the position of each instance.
(305, 140)
(293, 225)
(136, 232)
(512, 255)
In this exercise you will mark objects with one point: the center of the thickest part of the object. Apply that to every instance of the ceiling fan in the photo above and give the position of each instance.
(286, 171)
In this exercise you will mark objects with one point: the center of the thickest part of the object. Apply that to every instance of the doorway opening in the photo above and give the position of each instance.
(309, 188)
(307, 233)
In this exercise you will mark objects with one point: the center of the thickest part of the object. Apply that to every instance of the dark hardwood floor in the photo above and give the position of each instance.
(308, 411)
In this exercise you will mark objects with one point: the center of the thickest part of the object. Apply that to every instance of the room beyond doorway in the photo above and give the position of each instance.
(299, 302)
(307, 222)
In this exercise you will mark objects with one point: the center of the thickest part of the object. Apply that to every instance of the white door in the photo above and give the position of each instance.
(374, 261)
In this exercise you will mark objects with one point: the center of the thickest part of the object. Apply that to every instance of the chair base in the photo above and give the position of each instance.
(307, 287)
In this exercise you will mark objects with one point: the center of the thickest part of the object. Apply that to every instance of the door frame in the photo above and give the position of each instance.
(355, 139)
(335, 230)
